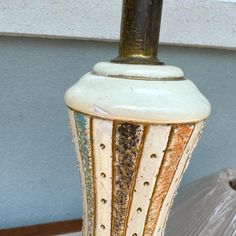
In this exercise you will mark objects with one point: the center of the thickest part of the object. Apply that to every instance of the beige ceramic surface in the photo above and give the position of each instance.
(146, 178)
(156, 101)
(134, 129)
(183, 164)
(103, 161)
(139, 177)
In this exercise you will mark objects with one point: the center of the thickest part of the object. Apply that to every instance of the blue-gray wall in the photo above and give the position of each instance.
(38, 176)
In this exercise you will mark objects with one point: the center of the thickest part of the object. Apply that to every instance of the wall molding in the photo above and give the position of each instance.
(204, 23)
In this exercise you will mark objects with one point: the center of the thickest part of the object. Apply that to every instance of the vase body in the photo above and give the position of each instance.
(134, 128)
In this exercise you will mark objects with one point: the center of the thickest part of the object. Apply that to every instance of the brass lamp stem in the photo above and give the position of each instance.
(140, 28)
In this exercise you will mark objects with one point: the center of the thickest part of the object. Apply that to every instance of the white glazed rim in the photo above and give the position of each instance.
(154, 101)
(140, 72)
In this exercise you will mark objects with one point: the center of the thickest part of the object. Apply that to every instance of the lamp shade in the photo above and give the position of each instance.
(206, 207)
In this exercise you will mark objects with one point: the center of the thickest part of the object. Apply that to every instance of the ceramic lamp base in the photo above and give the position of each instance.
(131, 166)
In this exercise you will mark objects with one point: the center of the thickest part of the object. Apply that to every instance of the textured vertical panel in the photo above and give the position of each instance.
(155, 144)
(83, 124)
(177, 178)
(127, 155)
(129, 173)
(102, 136)
(80, 166)
(178, 140)
(200, 126)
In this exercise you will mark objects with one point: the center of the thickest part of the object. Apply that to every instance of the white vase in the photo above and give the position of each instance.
(134, 129)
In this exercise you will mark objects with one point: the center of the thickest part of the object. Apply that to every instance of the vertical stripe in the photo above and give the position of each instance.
(128, 144)
(177, 178)
(134, 182)
(155, 143)
(80, 166)
(178, 140)
(129, 173)
(93, 174)
(200, 126)
(114, 128)
(84, 138)
(102, 143)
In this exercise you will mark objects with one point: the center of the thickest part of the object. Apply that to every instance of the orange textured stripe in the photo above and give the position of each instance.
(178, 140)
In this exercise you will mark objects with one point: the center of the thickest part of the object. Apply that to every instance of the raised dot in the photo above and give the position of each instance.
(146, 183)
(153, 156)
(103, 175)
(104, 201)
(102, 146)
(103, 226)
(139, 210)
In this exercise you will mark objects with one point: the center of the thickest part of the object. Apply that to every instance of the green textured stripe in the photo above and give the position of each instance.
(83, 131)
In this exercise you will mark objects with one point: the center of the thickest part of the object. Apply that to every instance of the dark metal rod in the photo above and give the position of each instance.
(140, 28)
